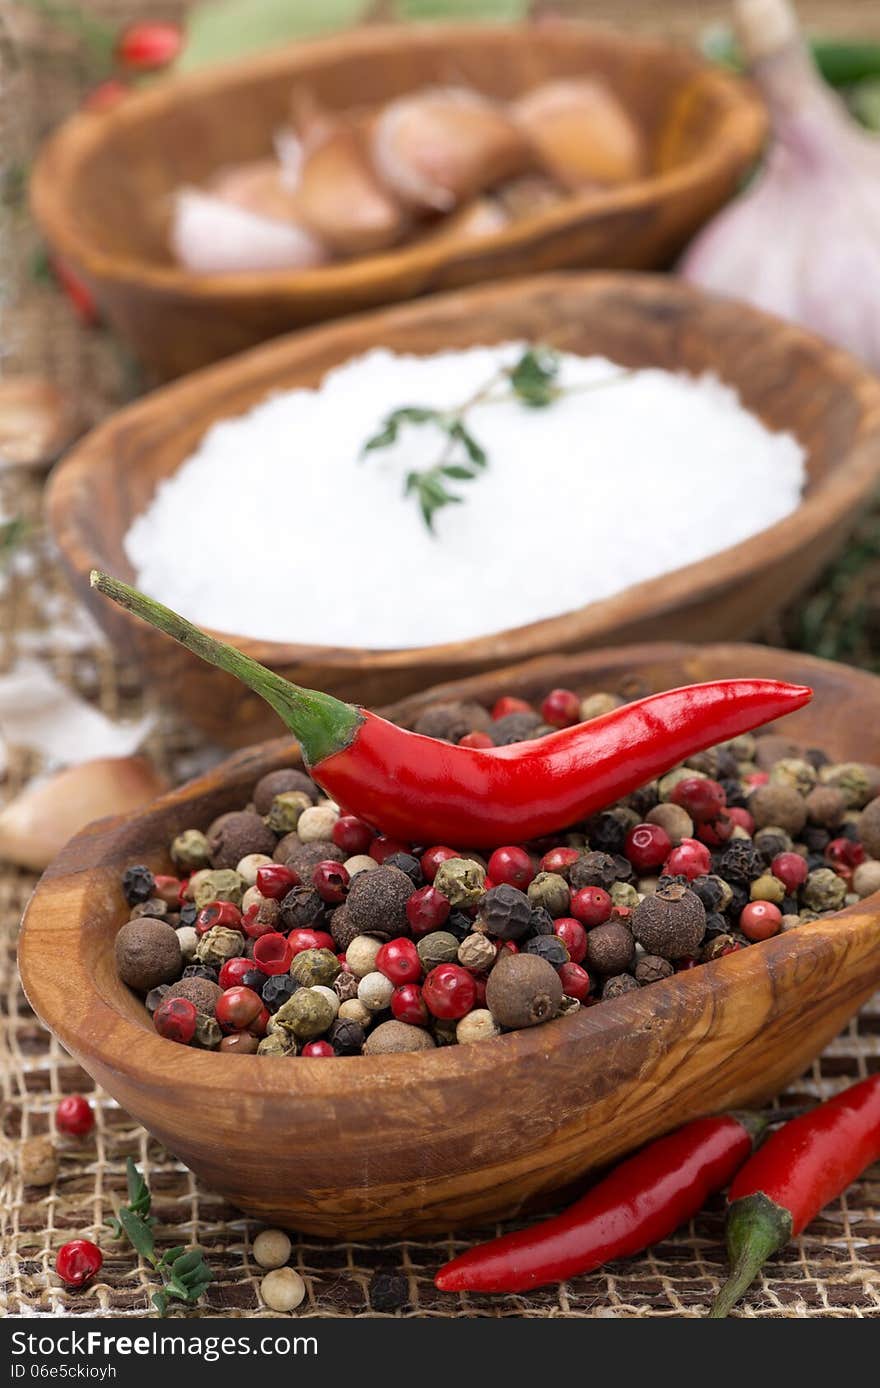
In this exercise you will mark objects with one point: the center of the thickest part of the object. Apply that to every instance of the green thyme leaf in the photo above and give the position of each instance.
(160, 1301)
(475, 452)
(534, 377)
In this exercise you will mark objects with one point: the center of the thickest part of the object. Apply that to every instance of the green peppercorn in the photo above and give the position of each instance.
(461, 880)
(314, 966)
(595, 705)
(550, 891)
(285, 811)
(306, 1013)
(221, 884)
(207, 1035)
(219, 944)
(624, 894)
(823, 891)
(440, 947)
(793, 772)
(851, 779)
(280, 1042)
(191, 851)
(767, 888)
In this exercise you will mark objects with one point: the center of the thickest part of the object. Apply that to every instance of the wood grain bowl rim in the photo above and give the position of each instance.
(123, 1046)
(737, 140)
(831, 501)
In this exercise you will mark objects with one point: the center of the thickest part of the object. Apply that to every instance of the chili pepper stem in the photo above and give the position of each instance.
(756, 1228)
(321, 724)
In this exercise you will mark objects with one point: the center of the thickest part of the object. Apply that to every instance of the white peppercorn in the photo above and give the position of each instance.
(282, 1289)
(360, 957)
(359, 862)
(316, 823)
(866, 878)
(250, 865)
(374, 991)
(478, 1025)
(353, 1010)
(188, 941)
(476, 952)
(252, 897)
(271, 1248)
(328, 993)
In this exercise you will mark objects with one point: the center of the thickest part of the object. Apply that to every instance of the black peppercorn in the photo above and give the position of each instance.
(506, 912)
(188, 912)
(624, 868)
(254, 979)
(542, 922)
(388, 1291)
(770, 842)
(514, 727)
(817, 758)
(740, 862)
(709, 890)
(739, 900)
(138, 884)
(643, 800)
(277, 989)
(593, 870)
(200, 971)
(346, 1037)
(408, 864)
(301, 908)
(549, 947)
(155, 996)
(736, 796)
(716, 924)
(458, 924)
(815, 840)
(607, 832)
(616, 986)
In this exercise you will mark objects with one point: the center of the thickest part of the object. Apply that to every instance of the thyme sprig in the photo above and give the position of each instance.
(183, 1271)
(532, 380)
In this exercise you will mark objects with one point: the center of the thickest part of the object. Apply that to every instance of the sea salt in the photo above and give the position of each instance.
(277, 527)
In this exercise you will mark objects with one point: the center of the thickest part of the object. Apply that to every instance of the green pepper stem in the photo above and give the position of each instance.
(756, 1228)
(321, 724)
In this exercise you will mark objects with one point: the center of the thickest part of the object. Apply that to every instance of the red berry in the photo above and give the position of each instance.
(272, 953)
(756, 778)
(433, 857)
(218, 913)
(576, 982)
(703, 799)
(647, 846)
(844, 854)
(318, 1048)
(74, 1116)
(330, 880)
(509, 704)
(253, 927)
(742, 819)
(714, 832)
(591, 906)
(561, 708)
(558, 859)
(511, 865)
(573, 936)
(791, 869)
(175, 1019)
(238, 1008)
(407, 1005)
(399, 960)
(147, 46)
(105, 96)
(352, 835)
(78, 1261)
(233, 971)
(510, 945)
(449, 992)
(690, 859)
(304, 938)
(759, 920)
(383, 847)
(689, 961)
(167, 889)
(77, 293)
(427, 910)
(275, 880)
(476, 739)
(480, 991)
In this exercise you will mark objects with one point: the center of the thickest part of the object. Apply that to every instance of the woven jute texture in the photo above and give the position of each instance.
(832, 1271)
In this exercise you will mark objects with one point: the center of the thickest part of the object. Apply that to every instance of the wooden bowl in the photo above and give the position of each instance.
(101, 186)
(357, 1147)
(790, 379)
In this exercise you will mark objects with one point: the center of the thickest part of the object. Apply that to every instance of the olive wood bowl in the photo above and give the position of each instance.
(101, 186)
(362, 1146)
(790, 379)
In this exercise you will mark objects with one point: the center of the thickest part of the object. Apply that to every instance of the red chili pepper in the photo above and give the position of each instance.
(793, 1176)
(425, 791)
(642, 1201)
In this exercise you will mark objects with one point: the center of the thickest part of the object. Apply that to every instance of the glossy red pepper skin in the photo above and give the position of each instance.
(799, 1170)
(417, 788)
(642, 1201)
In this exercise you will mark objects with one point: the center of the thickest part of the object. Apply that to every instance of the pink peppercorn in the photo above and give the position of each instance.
(591, 906)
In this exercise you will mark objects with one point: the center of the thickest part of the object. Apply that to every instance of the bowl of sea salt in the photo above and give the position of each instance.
(696, 465)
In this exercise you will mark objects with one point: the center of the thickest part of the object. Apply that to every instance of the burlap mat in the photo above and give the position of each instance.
(832, 1271)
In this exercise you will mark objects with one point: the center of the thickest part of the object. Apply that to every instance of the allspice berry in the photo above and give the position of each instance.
(826, 806)
(303, 857)
(233, 836)
(452, 721)
(277, 782)
(676, 821)
(610, 948)
(391, 1038)
(550, 891)
(342, 929)
(778, 805)
(650, 968)
(771, 748)
(670, 923)
(869, 828)
(866, 878)
(523, 990)
(38, 1161)
(147, 954)
(201, 992)
(461, 880)
(376, 902)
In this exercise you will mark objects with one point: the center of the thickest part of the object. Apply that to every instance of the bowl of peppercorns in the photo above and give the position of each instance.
(688, 948)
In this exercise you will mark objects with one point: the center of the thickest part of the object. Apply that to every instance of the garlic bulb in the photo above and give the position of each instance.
(441, 146)
(36, 825)
(214, 237)
(582, 135)
(803, 241)
(339, 196)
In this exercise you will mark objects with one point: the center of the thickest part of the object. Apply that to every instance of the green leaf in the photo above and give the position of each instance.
(477, 455)
(160, 1301)
(138, 1191)
(463, 9)
(138, 1232)
(219, 30)
(458, 473)
(534, 377)
(185, 1263)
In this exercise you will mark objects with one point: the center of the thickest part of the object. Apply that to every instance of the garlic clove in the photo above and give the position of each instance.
(340, 198)
(258, 187)
(485, 216)
(439, 147)
(36, 825)
(581, 133)
(37, 422)
(528, 195)
(213, 237)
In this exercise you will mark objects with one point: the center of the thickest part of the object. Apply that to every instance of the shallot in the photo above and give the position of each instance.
(804, 240)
